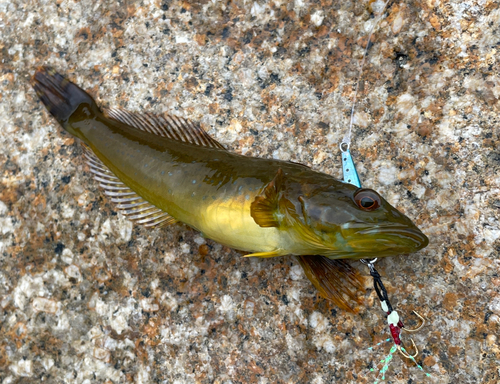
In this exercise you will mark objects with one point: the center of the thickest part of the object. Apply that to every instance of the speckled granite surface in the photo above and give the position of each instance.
(85, 297)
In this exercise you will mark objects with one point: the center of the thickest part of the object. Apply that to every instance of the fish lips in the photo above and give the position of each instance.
(393, 239)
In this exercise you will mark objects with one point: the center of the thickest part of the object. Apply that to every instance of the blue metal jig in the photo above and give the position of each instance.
(348, 168)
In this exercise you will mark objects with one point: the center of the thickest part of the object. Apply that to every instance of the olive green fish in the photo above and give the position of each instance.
(162, 169)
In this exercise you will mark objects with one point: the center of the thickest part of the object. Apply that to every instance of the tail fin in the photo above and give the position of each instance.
(61, 97)
(334, 279)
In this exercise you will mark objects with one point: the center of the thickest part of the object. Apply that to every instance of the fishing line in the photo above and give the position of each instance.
(346, 141)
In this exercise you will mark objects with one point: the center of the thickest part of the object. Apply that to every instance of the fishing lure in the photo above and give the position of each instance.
(163, 169)
(350, 175)
(396, 326)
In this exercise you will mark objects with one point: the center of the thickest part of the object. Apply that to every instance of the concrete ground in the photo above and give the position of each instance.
(86, 297)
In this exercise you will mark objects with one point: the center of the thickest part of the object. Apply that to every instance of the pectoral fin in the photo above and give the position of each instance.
(334, 279)
(271, 208)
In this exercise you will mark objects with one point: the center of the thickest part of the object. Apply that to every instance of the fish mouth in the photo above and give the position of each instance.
(404, 239)
(397, 239)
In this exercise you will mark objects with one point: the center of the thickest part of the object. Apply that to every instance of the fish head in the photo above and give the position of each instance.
(350, 222)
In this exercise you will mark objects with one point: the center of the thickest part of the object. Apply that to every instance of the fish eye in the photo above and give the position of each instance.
(367, 200)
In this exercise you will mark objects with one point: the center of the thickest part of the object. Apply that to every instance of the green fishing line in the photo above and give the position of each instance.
(415, 361)
(386, 362)
(376, 345)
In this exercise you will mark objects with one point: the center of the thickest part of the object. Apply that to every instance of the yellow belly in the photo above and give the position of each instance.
(229, 222)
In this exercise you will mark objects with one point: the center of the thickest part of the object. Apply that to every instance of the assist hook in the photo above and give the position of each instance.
(396, 326)
(419, 327)
(405, 353)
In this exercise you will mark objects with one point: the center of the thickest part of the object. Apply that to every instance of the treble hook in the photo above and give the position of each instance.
(419, 327)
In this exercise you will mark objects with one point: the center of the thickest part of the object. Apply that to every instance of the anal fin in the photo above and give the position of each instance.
(275, 253)
(334, 279)
(130, 204)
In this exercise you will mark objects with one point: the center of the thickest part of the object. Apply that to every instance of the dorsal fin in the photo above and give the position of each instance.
(133, 206)
(271, 208)
(334, 279)
(165, 125)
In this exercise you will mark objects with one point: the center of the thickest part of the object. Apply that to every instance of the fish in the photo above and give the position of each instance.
(163, 169)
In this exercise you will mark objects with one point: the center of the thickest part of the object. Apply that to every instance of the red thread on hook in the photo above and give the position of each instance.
(395, 333)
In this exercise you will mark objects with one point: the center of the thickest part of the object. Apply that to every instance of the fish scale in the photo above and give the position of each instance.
(162, 164)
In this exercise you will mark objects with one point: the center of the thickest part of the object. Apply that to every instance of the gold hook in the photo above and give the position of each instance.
(405, 354)
(415, 329)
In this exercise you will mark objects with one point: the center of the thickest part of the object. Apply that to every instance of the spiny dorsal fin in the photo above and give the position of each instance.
(270, 208)
(133, 206)
(334, 279)
(165, 125)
